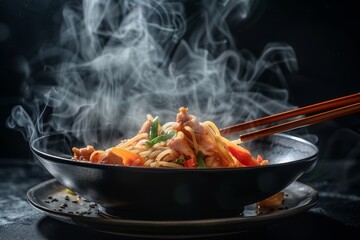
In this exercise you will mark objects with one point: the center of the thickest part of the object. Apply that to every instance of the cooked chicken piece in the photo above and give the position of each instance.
(184, 119)
(202, 137)
(205, 142)
(145, 128)
(183, 115)
(110, 158)
(180, 145)
(83, 153)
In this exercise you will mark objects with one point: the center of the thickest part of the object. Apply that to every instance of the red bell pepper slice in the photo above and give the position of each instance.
(242, 155)
(191, 163)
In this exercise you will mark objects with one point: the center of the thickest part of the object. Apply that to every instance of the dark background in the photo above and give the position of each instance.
(322, 34)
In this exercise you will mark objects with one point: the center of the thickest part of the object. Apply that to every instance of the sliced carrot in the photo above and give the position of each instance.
(129, 158)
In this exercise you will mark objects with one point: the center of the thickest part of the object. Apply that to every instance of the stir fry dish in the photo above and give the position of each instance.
(184, 143)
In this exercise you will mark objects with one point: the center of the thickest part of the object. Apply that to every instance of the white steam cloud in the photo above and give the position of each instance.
(117, 61)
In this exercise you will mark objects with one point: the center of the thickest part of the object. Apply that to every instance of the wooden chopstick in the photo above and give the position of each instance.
(345, 106)
(302, 122)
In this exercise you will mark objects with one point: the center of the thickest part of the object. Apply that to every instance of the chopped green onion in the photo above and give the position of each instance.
(200, 160)
(153, 132)
(161, 138)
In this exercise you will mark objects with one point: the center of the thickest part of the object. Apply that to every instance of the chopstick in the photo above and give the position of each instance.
(336, 108)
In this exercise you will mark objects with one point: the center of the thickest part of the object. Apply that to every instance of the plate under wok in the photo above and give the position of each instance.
(163, 193)
(51, 197)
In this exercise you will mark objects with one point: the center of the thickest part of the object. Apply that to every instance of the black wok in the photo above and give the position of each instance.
(164, 193)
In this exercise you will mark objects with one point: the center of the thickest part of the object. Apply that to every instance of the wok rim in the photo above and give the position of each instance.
(63, 160)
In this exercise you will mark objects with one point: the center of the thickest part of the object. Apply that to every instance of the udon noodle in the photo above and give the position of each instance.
(184, 143)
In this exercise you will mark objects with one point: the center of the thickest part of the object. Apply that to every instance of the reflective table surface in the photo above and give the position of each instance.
(335, 215)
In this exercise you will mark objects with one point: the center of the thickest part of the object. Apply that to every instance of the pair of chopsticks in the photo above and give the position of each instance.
(334, 108)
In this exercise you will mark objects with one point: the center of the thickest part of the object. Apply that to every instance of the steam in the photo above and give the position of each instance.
(116, 61)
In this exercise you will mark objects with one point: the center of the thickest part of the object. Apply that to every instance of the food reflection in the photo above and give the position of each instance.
(272, 202)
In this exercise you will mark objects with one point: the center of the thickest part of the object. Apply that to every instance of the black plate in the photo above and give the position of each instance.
(51, 197)
(169, 194)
